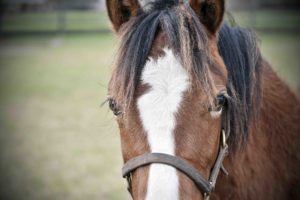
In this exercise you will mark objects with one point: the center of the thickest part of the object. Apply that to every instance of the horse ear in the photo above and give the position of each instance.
(120, 11)
(210, 12)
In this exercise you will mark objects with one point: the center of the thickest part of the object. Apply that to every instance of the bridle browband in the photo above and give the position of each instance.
(204, 185)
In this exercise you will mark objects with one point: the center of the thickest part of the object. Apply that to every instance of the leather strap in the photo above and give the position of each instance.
(203, 185)
(173, 161)
(223, 152)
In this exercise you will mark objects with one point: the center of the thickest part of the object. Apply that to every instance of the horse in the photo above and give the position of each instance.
(201, 114)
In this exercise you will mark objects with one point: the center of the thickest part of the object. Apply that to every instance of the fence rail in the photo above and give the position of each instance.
(93, 21)
(68, 21)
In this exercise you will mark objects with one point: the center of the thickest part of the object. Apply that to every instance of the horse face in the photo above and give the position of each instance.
(169, 111)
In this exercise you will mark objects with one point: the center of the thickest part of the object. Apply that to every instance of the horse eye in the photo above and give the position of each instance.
(221, 100)
(114, 107)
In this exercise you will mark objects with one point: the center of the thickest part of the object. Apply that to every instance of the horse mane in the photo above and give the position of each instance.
(239, 49)
(188, 38)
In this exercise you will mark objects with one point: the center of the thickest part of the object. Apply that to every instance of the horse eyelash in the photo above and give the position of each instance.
(104, 102)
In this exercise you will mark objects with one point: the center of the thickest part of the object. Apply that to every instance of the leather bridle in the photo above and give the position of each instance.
(204, 185)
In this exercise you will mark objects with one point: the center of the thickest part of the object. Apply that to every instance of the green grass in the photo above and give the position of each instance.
(56, 141)
(282, 52)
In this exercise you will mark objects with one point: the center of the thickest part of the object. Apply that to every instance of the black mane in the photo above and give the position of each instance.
(239, 50)
(188, 39)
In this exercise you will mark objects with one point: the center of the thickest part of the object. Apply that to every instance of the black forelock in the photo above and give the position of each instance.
(160, 5)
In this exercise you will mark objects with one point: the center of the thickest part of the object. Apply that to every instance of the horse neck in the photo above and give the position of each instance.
(268, 164)
(279, 119)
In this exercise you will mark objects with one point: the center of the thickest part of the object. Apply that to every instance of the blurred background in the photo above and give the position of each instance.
(57, 142)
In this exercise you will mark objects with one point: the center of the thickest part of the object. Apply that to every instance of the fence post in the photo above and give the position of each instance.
(61, 21)
(1, 16)
(254, 6)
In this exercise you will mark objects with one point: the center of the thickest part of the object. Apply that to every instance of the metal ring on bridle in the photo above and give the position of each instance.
(224, 143)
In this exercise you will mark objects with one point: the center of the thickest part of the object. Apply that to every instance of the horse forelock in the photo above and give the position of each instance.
(184, 34)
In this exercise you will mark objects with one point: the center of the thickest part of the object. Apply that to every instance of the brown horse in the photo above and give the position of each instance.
(187, 90)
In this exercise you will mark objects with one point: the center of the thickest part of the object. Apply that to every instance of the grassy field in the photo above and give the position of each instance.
(56, 141)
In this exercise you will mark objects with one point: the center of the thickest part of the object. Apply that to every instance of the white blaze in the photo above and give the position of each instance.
(168, 81)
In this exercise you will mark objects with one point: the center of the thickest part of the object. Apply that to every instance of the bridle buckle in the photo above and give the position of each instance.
(206, 196)
(224, 139)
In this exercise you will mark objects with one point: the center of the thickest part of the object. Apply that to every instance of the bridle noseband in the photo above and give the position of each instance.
(205, 186)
